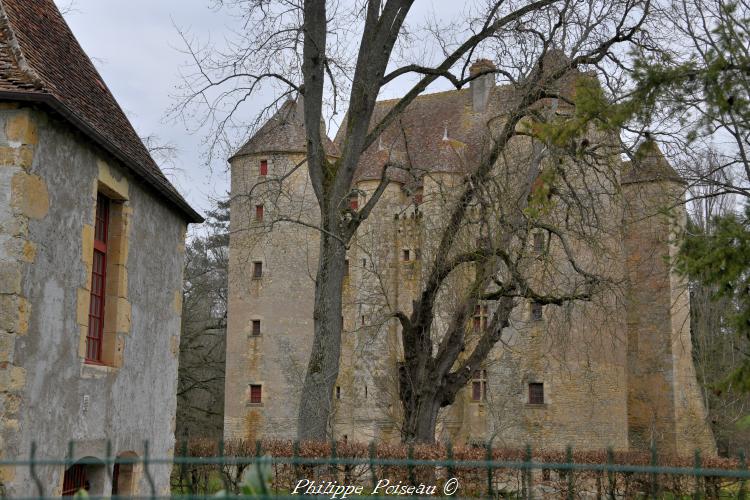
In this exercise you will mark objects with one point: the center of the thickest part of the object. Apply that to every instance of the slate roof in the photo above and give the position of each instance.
(41, 61)
(649, 165)
(284, 132)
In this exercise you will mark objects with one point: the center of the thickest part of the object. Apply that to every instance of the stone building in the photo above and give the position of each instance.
(613, 371)
(91, 261)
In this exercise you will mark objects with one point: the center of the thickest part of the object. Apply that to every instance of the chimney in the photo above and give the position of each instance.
(481, 86)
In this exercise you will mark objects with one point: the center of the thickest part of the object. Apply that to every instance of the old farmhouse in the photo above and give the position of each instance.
(91, 259)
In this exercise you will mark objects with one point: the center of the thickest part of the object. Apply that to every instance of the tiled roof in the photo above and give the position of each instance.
(41, 60)
(649, 165)
(438, 132)
(284, 132)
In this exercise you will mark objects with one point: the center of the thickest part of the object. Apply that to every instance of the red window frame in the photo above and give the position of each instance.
(259, 213)
(536, 393)
(95, 335)
(256, 394)
(354, 202)
(263, 167)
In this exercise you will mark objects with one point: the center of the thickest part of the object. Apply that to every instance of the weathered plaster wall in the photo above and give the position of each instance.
(61, 398)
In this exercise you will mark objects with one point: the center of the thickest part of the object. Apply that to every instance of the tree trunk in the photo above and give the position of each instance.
(323, 367)
(420, 418)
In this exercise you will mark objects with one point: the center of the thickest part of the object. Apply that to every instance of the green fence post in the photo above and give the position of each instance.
(147, 471)
(372, 453)
(528, 478)
(569, 461)
(449, 457)
(490, 470)
(654, 475)
(333, 466)
(410, 466)
(611, 473)
(743, 466)
(183, 454)
(296, 460)
(697, 493)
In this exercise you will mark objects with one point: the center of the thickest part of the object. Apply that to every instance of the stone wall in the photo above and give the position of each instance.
(50, 179)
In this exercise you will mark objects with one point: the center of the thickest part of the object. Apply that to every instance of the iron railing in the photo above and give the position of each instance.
(452, 477)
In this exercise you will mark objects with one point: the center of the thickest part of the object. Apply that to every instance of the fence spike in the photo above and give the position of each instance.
(373, 453)
(410, 466)
(108, 461)
(654, 474)
(527, 480)
(223, 465)
(611, 473)
(697, 492)
(449, 456)
(490, 470)
(569, 461)
(295, 452)
(32, 471)
(743, 466)
(147, 471)
(183, 465)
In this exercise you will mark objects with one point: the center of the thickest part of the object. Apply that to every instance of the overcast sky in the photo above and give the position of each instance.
(136, 47)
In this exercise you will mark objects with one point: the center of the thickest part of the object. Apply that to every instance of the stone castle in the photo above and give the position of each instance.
(615, 370)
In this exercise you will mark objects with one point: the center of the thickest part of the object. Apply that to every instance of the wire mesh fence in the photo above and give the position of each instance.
(279, 469)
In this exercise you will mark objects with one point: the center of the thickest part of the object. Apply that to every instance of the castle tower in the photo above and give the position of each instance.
(664, 404)
(272, 266)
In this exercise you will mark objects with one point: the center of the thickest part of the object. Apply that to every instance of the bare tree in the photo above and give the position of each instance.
(304, 47)
(200, 391)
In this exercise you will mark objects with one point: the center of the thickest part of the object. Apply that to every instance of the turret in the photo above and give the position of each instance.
(664, 404)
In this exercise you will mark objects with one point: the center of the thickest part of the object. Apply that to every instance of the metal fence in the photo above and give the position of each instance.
(372, 476)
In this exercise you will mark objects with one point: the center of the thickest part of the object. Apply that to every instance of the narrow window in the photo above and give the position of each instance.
(259, 213)
(536, 311)
(257, 270)
(419, 196)
(417, 254)
(264, 167)
(365, 392)
(538, 242)
(75, 479)
(363, 320)
(256, 394)
(536, 393)
(354, 201)
(256, 328)
(346, 268)
(479, 386)
(364, 263)
(406, 255)
(479, 321)
(338, 392)
(94, 338)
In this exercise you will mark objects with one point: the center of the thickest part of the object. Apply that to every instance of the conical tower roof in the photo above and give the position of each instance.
(284, 132)
(649, 165)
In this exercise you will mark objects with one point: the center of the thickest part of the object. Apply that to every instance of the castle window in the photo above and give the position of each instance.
(338, 392)
(256, 394)
(406, 255)
(346, 268)
(263, 167)
(536, 393)
(537, 308)
(479, 386)
(479, 321)
(95, 336)
(257, 270)
(259, 213)
(417, 254)
(538, 242)
(419, 196)
(354, 201)
(365, 392)
(256, 328)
